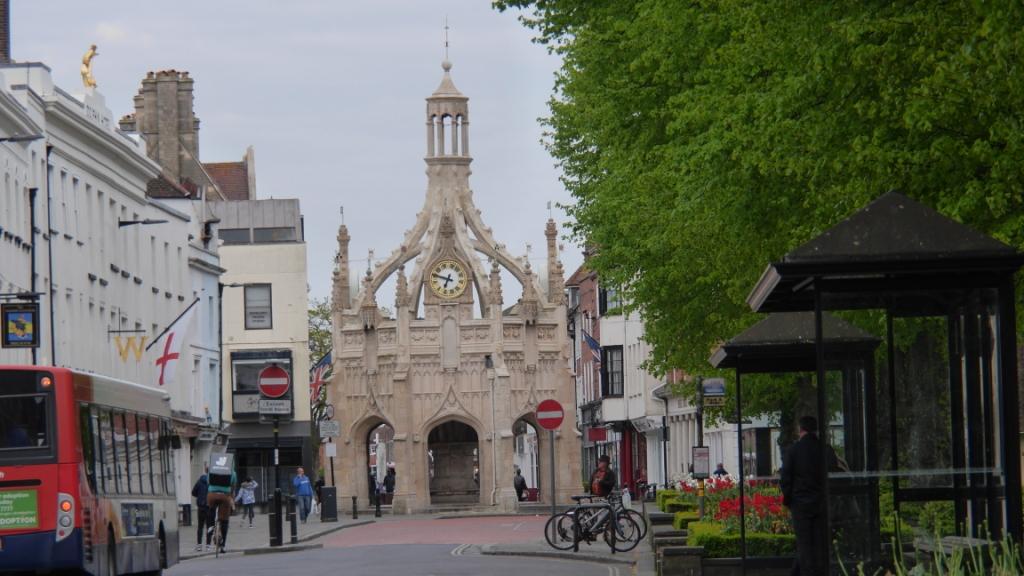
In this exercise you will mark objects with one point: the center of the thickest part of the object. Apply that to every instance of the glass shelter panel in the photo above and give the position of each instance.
(851, 449)
(916, 426)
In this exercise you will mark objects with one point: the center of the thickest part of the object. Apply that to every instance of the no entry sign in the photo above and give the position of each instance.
(274, 381)
(550, 414)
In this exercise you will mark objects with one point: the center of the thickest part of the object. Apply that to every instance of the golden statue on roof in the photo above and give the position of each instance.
(87, 78)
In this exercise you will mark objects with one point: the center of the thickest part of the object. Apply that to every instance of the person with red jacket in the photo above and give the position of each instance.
(603, 480)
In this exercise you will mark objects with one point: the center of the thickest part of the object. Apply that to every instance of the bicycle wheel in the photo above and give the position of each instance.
(559, 531)
(640, 521)
(626, 533)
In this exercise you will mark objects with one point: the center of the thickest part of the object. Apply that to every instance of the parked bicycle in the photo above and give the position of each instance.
(592, 518)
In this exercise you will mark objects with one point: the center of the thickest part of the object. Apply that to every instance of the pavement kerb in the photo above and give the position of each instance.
(488, 550)
(286, 547)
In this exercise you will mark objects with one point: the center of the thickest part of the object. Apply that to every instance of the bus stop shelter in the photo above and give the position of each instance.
(784, 343)
(941, 297)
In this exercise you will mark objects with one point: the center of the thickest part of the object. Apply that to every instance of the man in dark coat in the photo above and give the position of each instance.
(519, 483)
(204, 516)
(802, 494)
(603, 481)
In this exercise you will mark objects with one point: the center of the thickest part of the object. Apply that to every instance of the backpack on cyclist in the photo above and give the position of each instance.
(221, 466)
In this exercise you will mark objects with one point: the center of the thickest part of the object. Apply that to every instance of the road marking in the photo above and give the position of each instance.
(458, 550)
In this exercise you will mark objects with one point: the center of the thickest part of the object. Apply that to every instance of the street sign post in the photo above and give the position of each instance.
(275, 407)
(274, 383)
(330, 429)
(549, 417)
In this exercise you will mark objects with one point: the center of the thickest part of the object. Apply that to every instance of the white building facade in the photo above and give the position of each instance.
(265, 322)
(107, 283)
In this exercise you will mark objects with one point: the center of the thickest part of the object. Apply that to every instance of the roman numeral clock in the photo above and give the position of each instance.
(448, 279)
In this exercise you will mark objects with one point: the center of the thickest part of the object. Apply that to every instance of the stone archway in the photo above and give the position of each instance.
(526, 456)
(453, 463)
(381, 461)
(356, 461)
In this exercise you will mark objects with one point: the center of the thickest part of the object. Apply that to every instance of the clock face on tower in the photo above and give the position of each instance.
(448, 279)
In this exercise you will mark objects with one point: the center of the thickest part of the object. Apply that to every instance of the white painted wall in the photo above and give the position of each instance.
(104, 277)
(284, 267)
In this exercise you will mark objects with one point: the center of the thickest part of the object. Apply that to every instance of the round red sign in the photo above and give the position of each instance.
(274, 382)
(550, 414)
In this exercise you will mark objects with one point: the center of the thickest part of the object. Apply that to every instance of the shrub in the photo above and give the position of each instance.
(681, 519)
(673, 505)
(938, 519)
(719, 544)
(665, 495)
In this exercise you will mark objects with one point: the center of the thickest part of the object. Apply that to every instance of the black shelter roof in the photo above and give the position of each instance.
(785, 342)
(894, 243)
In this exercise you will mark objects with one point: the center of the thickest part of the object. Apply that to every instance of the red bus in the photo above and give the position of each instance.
(86, 474)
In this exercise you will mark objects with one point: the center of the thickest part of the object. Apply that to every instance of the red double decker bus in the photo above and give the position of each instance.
(86, 474)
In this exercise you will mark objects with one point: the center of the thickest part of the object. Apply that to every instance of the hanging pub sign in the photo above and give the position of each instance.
(20, 324)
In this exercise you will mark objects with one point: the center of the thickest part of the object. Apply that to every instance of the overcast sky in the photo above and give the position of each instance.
(330, 94)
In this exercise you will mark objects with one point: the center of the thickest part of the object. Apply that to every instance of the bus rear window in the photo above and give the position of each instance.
(24, 423)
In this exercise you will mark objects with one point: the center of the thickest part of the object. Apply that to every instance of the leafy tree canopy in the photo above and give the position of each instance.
(703, 139)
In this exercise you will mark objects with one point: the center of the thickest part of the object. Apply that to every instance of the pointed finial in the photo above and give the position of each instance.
(342, 210)
(446, 41)
(551, 213)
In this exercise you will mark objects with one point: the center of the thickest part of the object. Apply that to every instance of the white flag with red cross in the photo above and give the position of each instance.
(169, 344)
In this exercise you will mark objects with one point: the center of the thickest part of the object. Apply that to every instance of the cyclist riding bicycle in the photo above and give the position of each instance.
(221, 481)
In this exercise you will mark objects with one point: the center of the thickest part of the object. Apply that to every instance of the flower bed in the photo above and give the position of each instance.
(719, 543)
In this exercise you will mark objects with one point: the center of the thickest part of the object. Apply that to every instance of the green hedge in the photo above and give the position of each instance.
(681, 519)
(718, 544)
(665, 495)
(673, 505)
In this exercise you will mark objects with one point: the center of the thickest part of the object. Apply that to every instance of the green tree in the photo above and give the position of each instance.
(319, 329)
(701, 140)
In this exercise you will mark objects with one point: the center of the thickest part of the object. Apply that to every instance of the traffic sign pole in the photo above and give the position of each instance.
(550, 416)
(553, 511)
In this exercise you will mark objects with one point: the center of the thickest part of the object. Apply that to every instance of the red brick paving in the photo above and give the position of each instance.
(488, 530)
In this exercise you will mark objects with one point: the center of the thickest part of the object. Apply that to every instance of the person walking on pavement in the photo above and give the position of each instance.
(303, 493)
(389, 484)
(603, 481)
(221, 481)
(520, 484)
(247, 496)
(204, 516)
(802, 494)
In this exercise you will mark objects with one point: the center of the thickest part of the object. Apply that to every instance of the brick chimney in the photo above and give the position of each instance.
(165, 117)
(5, 31)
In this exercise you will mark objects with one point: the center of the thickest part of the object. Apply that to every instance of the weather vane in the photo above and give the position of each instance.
(446, 37)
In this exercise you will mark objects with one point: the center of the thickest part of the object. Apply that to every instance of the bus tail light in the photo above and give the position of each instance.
(65, 515)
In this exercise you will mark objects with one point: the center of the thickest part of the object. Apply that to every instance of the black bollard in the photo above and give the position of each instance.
(376, 507)
(355, 510)
(275, 519)
(291, 520)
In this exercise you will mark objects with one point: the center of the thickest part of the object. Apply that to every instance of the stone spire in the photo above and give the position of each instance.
(401, 290)
(340, 294)
(495, 284)
(449, 225)
(556, 274)
(368, 311)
